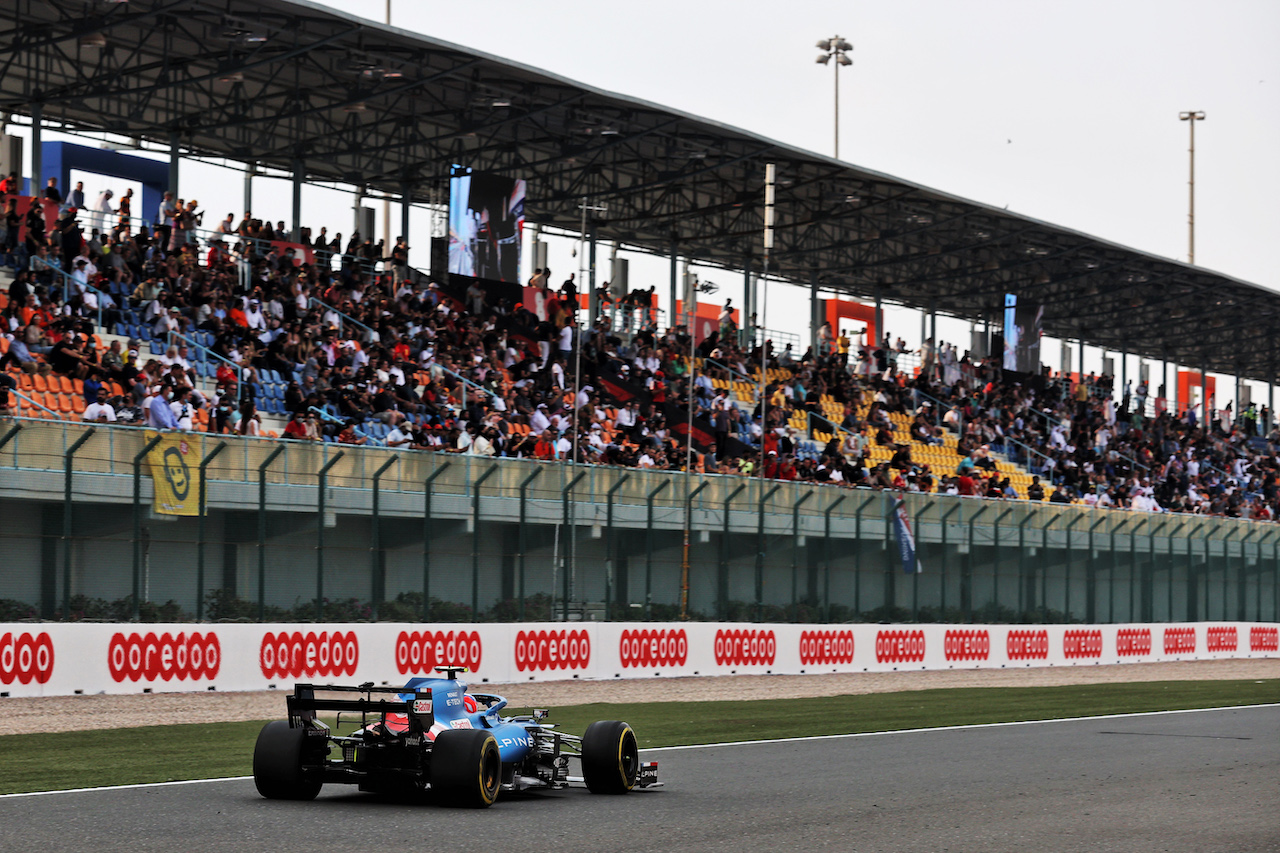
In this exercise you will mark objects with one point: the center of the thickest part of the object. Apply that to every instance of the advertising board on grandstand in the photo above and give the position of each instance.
(61, 659)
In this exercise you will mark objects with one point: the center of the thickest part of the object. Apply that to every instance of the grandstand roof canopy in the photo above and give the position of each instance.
(283, 81)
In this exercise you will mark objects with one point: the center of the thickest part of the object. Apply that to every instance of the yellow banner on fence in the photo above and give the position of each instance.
(176, 478)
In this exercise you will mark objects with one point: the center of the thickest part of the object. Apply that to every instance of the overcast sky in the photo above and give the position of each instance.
(1065, 111)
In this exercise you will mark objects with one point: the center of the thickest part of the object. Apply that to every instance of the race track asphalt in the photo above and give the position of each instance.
(1204, 781)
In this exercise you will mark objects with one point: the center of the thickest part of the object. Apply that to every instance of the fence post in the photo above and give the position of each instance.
(1242, 604)
(1149, 581)
(966, 569)
(942, 524)
(915, 575)
(995, 566)
(857, 554)
(1071, 564)
(795, 551)
(1022, 567)
(760, 549)
(648, 550)
(565, 585)
(262, 531)
(68, 519)
(609, 544)
(204, 493)
(475, 540)
(377, 576)
(137, 521)
(722, 571)
(826, 558)
(1115, 561)
(322, 481)
(426, 540)
(524, 542)
(1091, 582)
(684, 560)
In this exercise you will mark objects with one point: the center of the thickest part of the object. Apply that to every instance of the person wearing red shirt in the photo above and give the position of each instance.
(964, 484)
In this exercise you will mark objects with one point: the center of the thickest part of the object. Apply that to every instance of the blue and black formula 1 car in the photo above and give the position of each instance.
(433, 735)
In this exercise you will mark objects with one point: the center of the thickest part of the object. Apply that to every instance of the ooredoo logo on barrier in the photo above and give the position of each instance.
(423, 651)
(821, 648)
(1133, 642)
(746, 647)
(552, 650)
(1027, 645)
(295, 655)
(1179, 641)
(1264, 639)
(659, 647)
(1221, 638)
(900, 646)
(967, 645)
(166, 656)
(1078, 643)
(26, 658)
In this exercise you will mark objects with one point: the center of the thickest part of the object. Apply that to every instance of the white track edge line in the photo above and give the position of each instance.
(715, 745)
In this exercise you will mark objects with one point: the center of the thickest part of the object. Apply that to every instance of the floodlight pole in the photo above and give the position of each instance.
(770, 176)
(835, 48)
(577, 326)
(1192, 117)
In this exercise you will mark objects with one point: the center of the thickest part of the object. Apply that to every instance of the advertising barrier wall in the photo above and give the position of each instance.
(65, 659)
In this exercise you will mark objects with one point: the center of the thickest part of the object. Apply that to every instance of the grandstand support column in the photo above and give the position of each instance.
(406, 205)
(610, 543)
(475, 539)
(1124, 369)
(37, 153)
(1204, 394)
(377, 560)
(299, 172)
(795, 554)
(262, 531)
(879, 321)
(722, 571)
(749, 310)
(137, 519)
(200, 526)
(323, 482)
(648, 550)
(426, 541)
(675, 279)
(248, 185)
(590, 285)
(760, 551)
(175, 159)
(68, 517)
(1080, 360)
(815, 307)
(360, 193)
(826, 558)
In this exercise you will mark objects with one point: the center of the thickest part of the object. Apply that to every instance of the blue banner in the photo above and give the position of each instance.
(906, 539)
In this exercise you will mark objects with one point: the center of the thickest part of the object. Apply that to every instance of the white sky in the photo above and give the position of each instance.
(1064, 110)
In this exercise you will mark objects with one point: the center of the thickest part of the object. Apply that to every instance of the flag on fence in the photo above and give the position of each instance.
(906, 539)
(177, 481)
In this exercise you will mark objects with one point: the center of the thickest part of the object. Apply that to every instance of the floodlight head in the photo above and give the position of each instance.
(843, 45)
(825, 44)
(823, 58)
(844, 60)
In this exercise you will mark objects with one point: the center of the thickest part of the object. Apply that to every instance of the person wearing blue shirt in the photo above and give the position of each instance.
(161, 415)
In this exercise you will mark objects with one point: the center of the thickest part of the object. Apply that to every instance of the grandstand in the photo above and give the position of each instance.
(322, 354)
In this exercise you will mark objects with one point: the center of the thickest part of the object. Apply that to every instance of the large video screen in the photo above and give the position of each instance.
(486, 225)
(1023, 326)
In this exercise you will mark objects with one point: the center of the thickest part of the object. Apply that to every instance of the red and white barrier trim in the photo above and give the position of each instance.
(61, 659)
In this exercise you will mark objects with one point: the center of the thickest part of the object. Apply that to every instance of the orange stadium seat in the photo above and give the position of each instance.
(39, 383)
(68, 387)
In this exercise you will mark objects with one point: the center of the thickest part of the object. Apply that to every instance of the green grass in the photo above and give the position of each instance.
(42, 762)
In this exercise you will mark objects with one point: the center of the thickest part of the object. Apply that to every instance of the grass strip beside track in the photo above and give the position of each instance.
(43, 762)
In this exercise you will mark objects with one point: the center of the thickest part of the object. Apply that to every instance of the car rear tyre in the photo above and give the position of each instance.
(610, 757)
(277, 763)
(466, 769)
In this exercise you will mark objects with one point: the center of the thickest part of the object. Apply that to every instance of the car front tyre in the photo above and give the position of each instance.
(610, 757)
